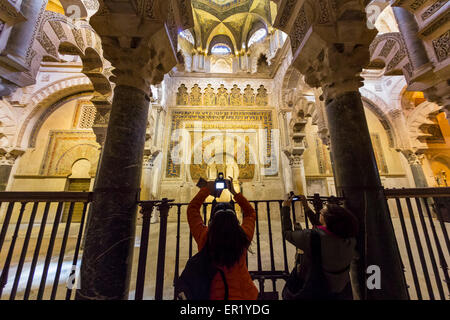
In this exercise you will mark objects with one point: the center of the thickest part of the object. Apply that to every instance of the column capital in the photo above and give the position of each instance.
(296, 161)
(412, 157)
(159, 108)
(338, 70)
(8, 156)
(141, 41)
(330, 42)
(295, 156)
(149, 157)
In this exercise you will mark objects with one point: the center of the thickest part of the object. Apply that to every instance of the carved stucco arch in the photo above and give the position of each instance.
(77, 39)
(55, 30)
(44, 99)
(441, 157)
(292, 96)
(419, 116)
(379, 110)
(388, 51)
(253, 152)
(86, 151)
(58, 34)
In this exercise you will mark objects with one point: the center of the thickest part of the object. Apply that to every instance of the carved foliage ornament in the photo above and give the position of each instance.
(299, 30)
(441, 46)
(432, 9)
(287, 13)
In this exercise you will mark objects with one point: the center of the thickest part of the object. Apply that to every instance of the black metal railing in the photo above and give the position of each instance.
(421, 244)
(42, 232)
(30, 238)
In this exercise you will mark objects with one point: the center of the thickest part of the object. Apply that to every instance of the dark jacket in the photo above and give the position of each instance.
(337, 253)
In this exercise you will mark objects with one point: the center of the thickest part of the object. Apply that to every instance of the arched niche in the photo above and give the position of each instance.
(81, 169)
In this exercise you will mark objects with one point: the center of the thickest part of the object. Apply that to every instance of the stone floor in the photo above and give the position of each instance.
(149, 291)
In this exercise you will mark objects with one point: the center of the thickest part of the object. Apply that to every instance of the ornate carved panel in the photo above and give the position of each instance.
(65, 148)
(182, 96)
(261, 97)
(222, 121)
(432, 9)
(209, 97)
(441, 46)
(223, 97)
(236, 96)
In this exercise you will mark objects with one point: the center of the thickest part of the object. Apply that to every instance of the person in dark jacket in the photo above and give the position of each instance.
(337, 228)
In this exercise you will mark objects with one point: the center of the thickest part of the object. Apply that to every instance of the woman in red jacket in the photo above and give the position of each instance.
(228, 242)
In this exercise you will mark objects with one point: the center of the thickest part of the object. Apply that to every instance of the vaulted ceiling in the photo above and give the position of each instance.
(230, 21)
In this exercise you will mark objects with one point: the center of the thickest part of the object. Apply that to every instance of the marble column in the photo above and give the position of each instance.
(357, 179)
(331, 56)
(108, 250)
(5, 171)
(16, 51)
(409, 29)
(415, 163)
(7, 160)
(355, 168)
(139, 43)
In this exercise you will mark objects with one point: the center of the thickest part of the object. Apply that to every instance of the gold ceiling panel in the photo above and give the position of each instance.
(232, 18)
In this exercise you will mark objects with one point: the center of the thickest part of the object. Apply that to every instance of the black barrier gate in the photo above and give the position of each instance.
(40, 249)
(421, 246)
(34, 235)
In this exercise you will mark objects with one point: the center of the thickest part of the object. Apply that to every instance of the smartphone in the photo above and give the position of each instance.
(220, 185)
(295, 198)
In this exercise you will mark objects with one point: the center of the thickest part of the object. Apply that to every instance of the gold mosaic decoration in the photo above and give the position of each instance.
(221, 120)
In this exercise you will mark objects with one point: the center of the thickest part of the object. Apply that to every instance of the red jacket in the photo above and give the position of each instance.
(240, 284)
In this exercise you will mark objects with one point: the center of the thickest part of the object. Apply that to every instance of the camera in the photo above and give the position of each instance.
(220, 182)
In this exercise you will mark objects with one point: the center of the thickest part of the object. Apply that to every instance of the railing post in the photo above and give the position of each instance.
(258, 244)
(272, 258)
(164, 212)
(77, 249)
(286, 266)
(24, 252)
(5, 271)
(146, 210)
(177, 250)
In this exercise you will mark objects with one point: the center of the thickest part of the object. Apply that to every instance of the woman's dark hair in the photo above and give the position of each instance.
(226, 239)
(340, 221)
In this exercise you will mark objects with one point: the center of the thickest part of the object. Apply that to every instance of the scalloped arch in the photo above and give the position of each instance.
(44, 98)
(419, 116)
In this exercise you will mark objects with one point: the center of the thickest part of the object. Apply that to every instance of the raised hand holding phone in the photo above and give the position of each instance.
(201, 183)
